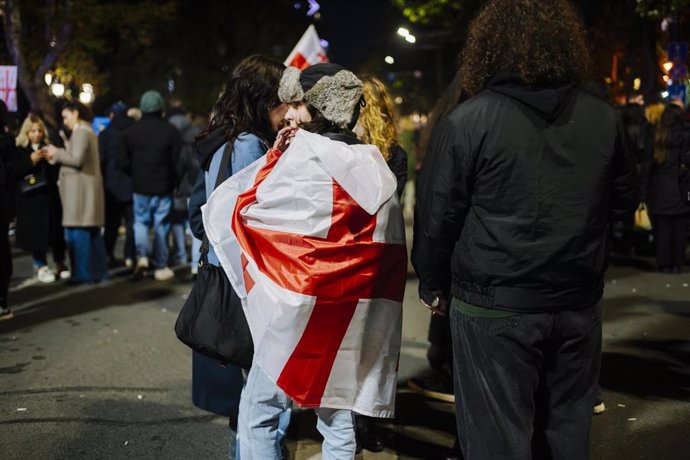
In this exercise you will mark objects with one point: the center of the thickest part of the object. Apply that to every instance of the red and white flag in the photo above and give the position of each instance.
(313, 243)
(308, 51)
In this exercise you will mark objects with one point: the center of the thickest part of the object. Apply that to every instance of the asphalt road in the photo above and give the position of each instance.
(97, 372)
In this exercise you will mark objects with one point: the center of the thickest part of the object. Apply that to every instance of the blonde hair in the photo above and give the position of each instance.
(653, 113)
(378, 117)
(23, 137)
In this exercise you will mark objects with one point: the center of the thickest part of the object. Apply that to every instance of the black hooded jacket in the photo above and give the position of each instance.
(515, 195)
(117, 183)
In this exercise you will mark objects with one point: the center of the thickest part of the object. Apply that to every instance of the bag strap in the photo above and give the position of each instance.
(220, 178)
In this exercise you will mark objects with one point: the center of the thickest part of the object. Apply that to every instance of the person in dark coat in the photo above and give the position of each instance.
(661, 193)
(118, 185)
(150, 153)
(11, 167)
(39, 211)
(511, 223)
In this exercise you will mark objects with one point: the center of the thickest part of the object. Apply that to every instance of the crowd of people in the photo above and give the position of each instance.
(526, 176)
(70, 191)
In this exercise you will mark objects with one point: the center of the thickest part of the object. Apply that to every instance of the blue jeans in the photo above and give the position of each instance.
(178, 234)
(196, 255)
(262, 409)
(148, 210)
(87, 254)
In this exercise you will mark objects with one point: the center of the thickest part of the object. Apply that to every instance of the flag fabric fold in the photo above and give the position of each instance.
(313, 242)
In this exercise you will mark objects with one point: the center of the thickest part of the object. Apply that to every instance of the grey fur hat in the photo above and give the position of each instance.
(330, 88)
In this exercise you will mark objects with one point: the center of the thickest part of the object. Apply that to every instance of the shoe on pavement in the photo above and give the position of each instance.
(434, 384)
(599, 408)
(5, 313)
(142, 266)
(163, 274)
(45, 275)
(129, 263)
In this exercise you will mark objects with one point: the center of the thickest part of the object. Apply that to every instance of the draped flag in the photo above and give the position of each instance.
(313, 242)
(308, 51)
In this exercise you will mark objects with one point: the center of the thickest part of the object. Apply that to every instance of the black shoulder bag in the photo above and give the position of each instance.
(684, 177)
(212, 321)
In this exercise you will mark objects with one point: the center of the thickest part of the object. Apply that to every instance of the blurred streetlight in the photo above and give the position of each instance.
(398, 100)
(86, 96)
(403, 32)
(389, 60)
(668, 65)
(48, 79)
(411, 38)
(58, 89)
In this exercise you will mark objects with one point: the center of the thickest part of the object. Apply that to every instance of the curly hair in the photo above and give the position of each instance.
(251, 90)
(530, 41)
(23, 136)
(378, 117)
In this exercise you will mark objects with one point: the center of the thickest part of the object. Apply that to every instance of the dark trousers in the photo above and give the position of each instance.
(670, 234)
(87, 254)
(5, 259)
(115, 212)
(525, 384)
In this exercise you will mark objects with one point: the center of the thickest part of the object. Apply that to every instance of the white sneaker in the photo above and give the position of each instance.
(599, 408)
(195, 271)
(45, 275)
(129, 263)
(163, 274)
(65, 274)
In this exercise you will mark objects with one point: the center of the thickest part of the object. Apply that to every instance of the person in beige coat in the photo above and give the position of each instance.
(82, 196)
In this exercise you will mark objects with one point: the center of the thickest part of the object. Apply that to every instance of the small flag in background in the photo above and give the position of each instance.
(308, 51)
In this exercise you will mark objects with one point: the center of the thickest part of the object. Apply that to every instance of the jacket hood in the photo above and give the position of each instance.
(206, 147)
(547, 100)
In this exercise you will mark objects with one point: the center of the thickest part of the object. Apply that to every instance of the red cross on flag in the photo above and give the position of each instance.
(308, 51)
(313, 243)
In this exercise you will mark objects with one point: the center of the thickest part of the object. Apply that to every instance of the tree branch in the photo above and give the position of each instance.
(61, 42)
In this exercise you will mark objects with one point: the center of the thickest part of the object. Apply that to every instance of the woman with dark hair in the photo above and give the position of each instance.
(246, 117)
(511, 223)
(661, 191)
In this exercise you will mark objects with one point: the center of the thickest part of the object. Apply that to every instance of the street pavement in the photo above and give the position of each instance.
(97, 373)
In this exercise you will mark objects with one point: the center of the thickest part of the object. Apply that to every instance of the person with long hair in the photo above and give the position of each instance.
(246, 117)
(661, 191)
(512, 230)
(39, 211)
(81, 195)
(377, 125)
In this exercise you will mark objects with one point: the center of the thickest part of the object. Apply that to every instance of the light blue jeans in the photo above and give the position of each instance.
(87, 254)
(261, 408)
(152, 210)
(179, 232)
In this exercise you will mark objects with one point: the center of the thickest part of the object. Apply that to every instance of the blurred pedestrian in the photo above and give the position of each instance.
(39, 210)
(513, 226)
(118, 186)
(134, 113)
(11, 167)
(246, 116)
(661, 193)
(150, 154)
(81, 194)
(187, 172)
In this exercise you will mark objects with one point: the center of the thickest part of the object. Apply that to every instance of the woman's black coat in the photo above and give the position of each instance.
(39, 212)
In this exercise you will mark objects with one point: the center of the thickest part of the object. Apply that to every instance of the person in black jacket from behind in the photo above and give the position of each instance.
(517, 189)
(661, 191)
(150, 153)
(118, 184)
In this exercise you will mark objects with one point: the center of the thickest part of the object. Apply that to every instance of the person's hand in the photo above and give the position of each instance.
(49, 152)
(37, 156)
(284, 138)
(439, 304)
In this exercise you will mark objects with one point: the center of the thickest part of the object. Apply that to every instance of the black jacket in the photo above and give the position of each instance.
(39, 212)
(515, 195)
(150, 154)
(398, 165)
(117, 183)
(660, 186)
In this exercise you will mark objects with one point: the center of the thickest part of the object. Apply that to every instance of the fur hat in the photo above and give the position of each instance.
(330, 88)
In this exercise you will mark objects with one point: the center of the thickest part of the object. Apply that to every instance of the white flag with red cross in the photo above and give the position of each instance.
(313, 242)
(308, 51)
